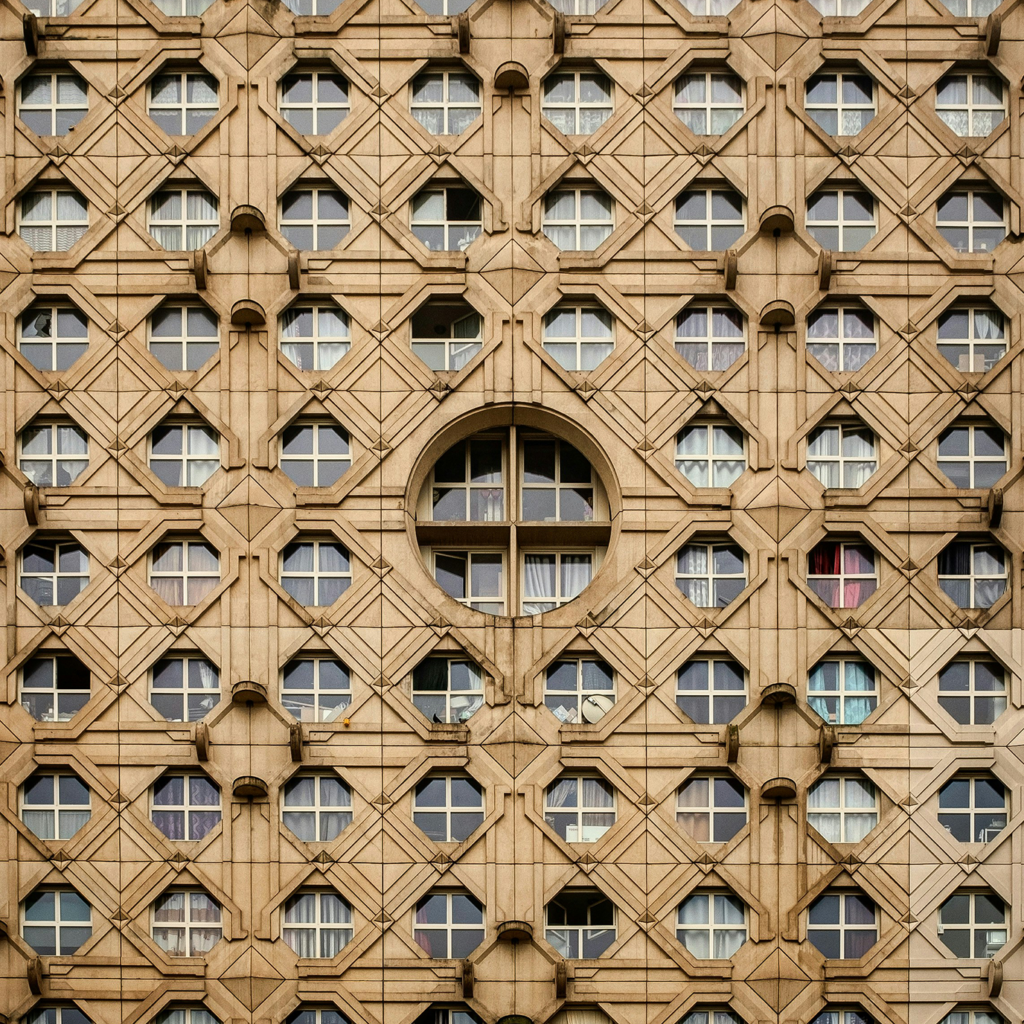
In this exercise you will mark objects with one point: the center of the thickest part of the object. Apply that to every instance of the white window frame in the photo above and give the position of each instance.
(56, 341)
(185, 337)
(56, 808)
(183, 8)
(841, 926)
(318, 808)
(186, 808)
(577, 222)
(972, 1016)
(710, 457)
(320, 714)
(707, 8)
(843, 8)
(579, 832)
(320, 929)
(449, 926)
(710, 341)
(446, 104)
(476, 696)
(314, 220)
(57, 922)
(974, 577)
(53, 690)
(449, 809)
(971, 342)
(561, 595)
(711, 691)
(469, 485)
(186, 926)
(842, 694)
(52, 8)
(315, 105)
(54, 224)
(59, 547)
(582, 342)
(556, 485)
(842, 1015)
(184, 222)
(186, 690)
(185, 573)
(708, 106)
(972, 459)
(843, 809)
(197, 1014)
(316, 457)
(452, 228)
(841, 106)
(54, 105)
(973, 694)
(971, 105)
(316, 574)
(971, 8)
(188, 460)
(844, 462)
(471, 600)
(576, 105)
(581, 693)
(54, 457)
(972, 927)
(972, 810)
(713, 926)
(316, 340)
(710, 575)
(970, 223)
(559, 935)
(43, 1014)
(842, 576)
(183, 106)
(709, 222)
(317, 8)
(841, 223)
(458, 350)
(709, 809)
(841, 340)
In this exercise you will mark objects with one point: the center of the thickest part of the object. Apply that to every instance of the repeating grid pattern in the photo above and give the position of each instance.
(269, 725)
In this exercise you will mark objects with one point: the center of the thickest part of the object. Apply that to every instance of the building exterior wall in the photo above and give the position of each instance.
(624, 416)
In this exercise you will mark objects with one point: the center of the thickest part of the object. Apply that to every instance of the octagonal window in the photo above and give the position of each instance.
(183, 219)
(187, 922)
(580, 808)
(447, 219)
(446, 334)
(184, 572)
(53, 572)
(842, 925)
(579, 337)
(448, 808)
(843, 574)
(711, 808)
(54, 687)
(448, 925)
(316, 689)
(53, 336)
(973, 690)
(710, 574)
(710, 219)
(711, 454)
(843, 690)
(185, 807)
(973, 454)
(316, 806)
(56, 922)
(446, 102)
(972, 338)
(52, 219)
(842, 220)
(710, 337)
(316, 572)
(448, 689)
(183, 102)
(973, 808)
(317, 924)
(709, 102)
(54, 805)
(53, 454)
(315, 219)
(52, 102)
(842, 455)
(711, 691)
(841, 338)
(579, 689)
(315, 336)
(842, 808)
(184, 454)
(971, 104)
(183, 336)
(974, 573)
(315, 453)
(973, 925)
(841, 102)
(578, 219)
(577, 102)
(184, 688)
(580, 923)
(314, 102)
(972, 220)
(712, 925)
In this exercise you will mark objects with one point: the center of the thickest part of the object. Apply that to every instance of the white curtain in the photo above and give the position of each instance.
(538, 583)
(576, 574)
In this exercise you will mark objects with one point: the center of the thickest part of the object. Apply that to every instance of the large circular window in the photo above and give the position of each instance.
(513, 519)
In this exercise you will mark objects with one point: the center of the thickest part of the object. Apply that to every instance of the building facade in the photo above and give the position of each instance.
(511, 512)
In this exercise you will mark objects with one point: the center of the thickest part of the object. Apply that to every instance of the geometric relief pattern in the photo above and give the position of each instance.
(220, 809)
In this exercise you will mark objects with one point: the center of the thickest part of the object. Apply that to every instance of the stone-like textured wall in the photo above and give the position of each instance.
(625, 415)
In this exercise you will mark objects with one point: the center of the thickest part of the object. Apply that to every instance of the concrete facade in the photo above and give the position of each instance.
(297, 306)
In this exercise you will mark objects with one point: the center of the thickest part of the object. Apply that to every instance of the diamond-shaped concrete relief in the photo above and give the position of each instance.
(512, 271)
(247, 37)
(777, 509)
(249, 507)
(514, 744)
(775, 36)
(778, 980)
(251, 979)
